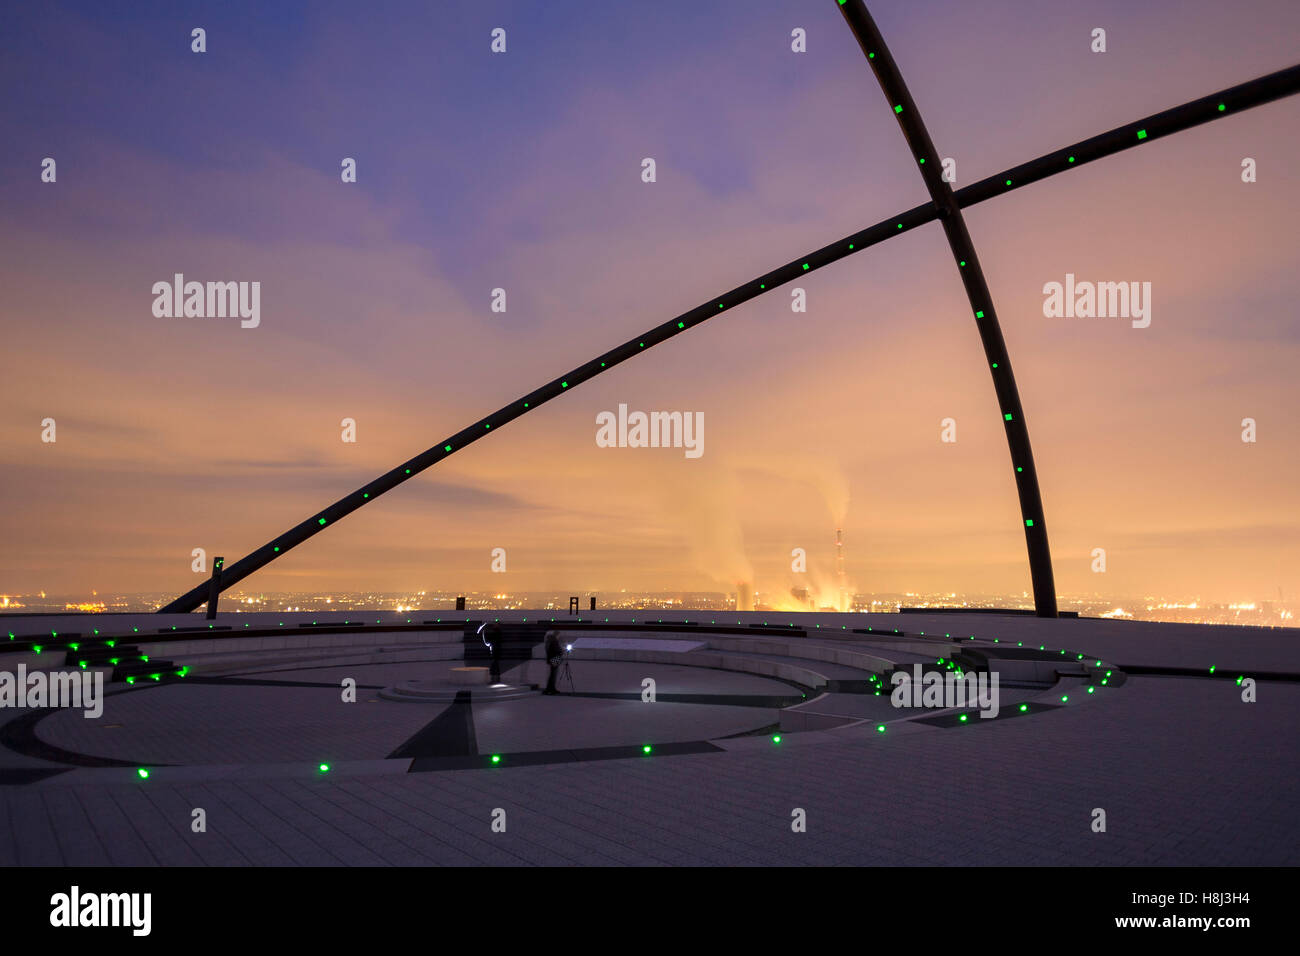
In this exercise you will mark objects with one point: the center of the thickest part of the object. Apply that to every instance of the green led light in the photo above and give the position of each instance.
(680, 325)
(323, 768)
(142, 773)
(776, 739)
(1071, 159)
(805, 265)
(900, 225)
(564, 385)
(922, 160)
(1065, 698)
(408, 471)
(114, 660)
(870, 56)
(446, 448)
(1008, 182)
(1222, 107)
(364, 494)
(1091, 689)
(130, 680)
(880, 728)
(979, 315)
(762, 286)
(995, 364)
(1142, 134)
(1007, 416)
(963, 265)
(602, 364)
(963, 718)
(850, 245)
(1019, 469)
(1029, 523)
(275, 549)
(642, 345)
(496, 758)
(322, 520)
(645, 749)
(1024, 708)
(898, 109)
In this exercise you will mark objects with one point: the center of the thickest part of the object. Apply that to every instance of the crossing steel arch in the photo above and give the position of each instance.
(929, 163)
(1256, 92)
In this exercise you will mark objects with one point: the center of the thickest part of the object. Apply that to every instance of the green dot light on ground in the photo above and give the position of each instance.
(880, 728)
(776, 739)
(645, 749)
(1024, 707)
(324, 768)
(142, 773)
(496, 758)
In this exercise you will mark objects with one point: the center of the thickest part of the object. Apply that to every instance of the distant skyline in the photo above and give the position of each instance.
(522, 171)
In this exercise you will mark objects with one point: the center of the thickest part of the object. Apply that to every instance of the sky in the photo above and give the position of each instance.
(522, 170)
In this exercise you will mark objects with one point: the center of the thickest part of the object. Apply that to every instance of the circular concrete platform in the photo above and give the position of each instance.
(431, 691)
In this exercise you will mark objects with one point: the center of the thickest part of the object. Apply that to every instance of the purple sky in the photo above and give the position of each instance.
(522, 171)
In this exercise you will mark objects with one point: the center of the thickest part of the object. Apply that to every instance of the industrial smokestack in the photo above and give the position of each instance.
(839, 567)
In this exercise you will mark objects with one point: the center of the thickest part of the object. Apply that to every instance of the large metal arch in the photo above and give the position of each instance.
(967, 261)
(1256, 92)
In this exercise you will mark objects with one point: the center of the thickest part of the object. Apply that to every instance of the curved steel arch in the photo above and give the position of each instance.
(1244, 96)
(918, 139)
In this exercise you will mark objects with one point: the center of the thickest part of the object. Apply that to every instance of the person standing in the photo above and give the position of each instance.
(554, 656)
(493, 639)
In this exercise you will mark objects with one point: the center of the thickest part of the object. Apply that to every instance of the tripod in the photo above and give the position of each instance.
(565, 673)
